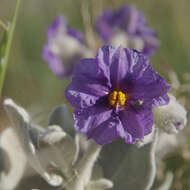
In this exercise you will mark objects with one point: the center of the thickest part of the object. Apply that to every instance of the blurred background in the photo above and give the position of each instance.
(30, 82)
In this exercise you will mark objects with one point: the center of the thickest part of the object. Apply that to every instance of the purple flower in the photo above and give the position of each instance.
(64, 48)
(127, 27)
(114, 94)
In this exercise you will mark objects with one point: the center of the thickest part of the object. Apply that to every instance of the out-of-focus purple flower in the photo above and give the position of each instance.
(127, 27)
(114, 94)
(64, 48)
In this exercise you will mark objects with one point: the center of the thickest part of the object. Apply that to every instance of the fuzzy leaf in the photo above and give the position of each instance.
(60, 116)
(129, 167)
(84, 168)
(172, 117)
(62, 149)
(28, 137)
(100, 184)
(13, 160)
(168, 143)
(167, 183)
(82, 145)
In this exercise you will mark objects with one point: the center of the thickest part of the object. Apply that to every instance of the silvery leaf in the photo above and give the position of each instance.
(62, 149)
(128, 166)
(82, 145)
(12, 158)
(172, 117)
(147, 139)
(28, 137)
(60, 116)
(166, 185)
(100, 184)
(86, 164)
(168, 143)
(5, 161)
(84, 168)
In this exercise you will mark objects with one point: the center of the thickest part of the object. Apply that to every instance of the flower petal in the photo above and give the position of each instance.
(85, 88)
(160, 101)
(118, 67)
(64, 47)
(146, 84)
(136, 123)
(89, 118)
(123, 133)
(106, 132)
(105, 24)
(127, 18)
(54, 62)
(88, 69)
(97, 123)
(113, 62)
(131, 21)
(60, 25)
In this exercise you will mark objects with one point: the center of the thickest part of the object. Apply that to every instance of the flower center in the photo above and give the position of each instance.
(117, 98)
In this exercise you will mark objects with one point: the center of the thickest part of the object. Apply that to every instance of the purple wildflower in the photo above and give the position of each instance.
(114, 95)
(127, 27)
(65, 46)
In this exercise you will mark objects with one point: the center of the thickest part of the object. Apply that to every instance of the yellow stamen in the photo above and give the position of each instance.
(117, 98)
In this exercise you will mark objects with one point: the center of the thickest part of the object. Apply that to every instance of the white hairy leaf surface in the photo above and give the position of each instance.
(84, 168)
(166, 185)
(28, 138)
(62, 148)
(100, 184)
(17, 160)
(128, 166)
(60, 116)
(172, 117)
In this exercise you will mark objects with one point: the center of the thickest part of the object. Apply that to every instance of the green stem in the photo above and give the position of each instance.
(4, 59)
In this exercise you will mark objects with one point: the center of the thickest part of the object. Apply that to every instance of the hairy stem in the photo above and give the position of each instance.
(84, 168)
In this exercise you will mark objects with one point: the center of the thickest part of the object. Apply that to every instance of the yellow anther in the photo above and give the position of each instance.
(117, 98)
